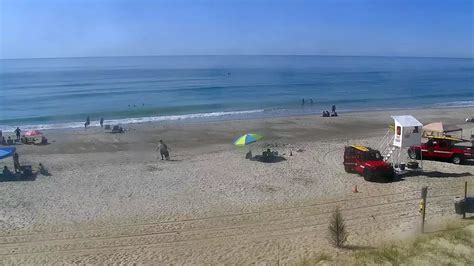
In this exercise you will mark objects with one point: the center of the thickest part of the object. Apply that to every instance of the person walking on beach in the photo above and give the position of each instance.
(87, 123)
(101, 122)
(17, 132)
(164, 150)
(302, 102)
(16, 162)
(333, 108)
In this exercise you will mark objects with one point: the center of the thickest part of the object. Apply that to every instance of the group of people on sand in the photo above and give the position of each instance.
(88, 122)
(325, 113)
(162, 147)
(333, 112)
(9, 140)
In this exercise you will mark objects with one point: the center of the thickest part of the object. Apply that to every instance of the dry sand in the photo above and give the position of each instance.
(110, 199)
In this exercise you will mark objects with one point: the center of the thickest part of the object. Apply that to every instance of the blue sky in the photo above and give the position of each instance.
(71, 28)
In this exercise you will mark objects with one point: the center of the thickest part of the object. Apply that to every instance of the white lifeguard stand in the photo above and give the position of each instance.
(407, 132)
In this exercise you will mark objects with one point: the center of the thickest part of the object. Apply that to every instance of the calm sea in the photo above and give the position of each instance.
(61, 93)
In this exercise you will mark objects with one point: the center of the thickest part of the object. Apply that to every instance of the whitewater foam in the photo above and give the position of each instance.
(456, 104)
(133, 120)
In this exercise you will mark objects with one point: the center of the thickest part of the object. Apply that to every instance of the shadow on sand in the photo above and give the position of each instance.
(465, 162)
(273, 159)
(17, 177)
(468, 162)
(358, 247)
(437, 174)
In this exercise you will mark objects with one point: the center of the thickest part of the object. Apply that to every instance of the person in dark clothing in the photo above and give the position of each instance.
(333, 108)
(88, 122)
(164, 150)
(248, 155)
(43, 170)
(16, 162)
(17, 132)
(4, 142)
(101, 122)
(302, 101)
(6, 171)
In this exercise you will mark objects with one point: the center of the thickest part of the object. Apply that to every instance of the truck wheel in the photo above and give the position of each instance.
(391, 177)
(368, 176)
(412, 154)
(456, 159)
(348, 169)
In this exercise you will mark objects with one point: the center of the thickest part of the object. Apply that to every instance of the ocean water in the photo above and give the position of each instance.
(61, 93)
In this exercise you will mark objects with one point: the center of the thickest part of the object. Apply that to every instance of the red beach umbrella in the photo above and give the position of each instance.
(33, 133)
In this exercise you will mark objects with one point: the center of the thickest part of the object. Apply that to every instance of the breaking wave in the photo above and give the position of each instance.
(133, 120)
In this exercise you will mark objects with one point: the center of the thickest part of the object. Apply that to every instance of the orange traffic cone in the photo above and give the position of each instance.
(354, 189)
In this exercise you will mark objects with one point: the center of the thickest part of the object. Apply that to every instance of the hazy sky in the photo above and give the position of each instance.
(69, 28)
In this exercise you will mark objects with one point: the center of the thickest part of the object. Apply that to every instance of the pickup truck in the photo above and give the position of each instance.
(444, 148)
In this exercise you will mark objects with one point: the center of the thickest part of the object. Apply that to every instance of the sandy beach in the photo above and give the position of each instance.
(110, 199)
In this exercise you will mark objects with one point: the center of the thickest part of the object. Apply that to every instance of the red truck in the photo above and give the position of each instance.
(367, 162)
(444, 148)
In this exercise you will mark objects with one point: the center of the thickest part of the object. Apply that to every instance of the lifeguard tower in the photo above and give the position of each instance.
(406, 132)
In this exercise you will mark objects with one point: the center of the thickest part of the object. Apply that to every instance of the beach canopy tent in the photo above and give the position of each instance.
(7, 152)
(439, 129)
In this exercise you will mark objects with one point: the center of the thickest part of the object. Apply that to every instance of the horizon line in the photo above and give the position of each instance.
(197, 55)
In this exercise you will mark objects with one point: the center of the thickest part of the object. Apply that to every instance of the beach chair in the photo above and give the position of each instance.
(117, 129)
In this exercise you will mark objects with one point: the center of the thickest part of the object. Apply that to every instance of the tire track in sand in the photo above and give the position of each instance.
(305, 222)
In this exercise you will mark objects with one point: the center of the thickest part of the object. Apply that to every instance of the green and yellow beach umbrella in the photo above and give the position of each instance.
(247, 139)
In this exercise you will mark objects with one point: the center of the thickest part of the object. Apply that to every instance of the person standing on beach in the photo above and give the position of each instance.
(302, 102)
(164, 150)
(17, 132)
(16, 162)
(101, 122)
(333, 108)
(87, 123)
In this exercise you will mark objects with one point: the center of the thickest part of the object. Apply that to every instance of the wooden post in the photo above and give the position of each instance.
(424, 192)
(465, 200)
(421, 157)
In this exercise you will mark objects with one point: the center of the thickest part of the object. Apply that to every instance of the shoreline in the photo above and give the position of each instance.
(223, 116)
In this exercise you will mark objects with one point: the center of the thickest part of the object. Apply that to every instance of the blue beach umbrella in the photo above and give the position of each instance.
(7, 152)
